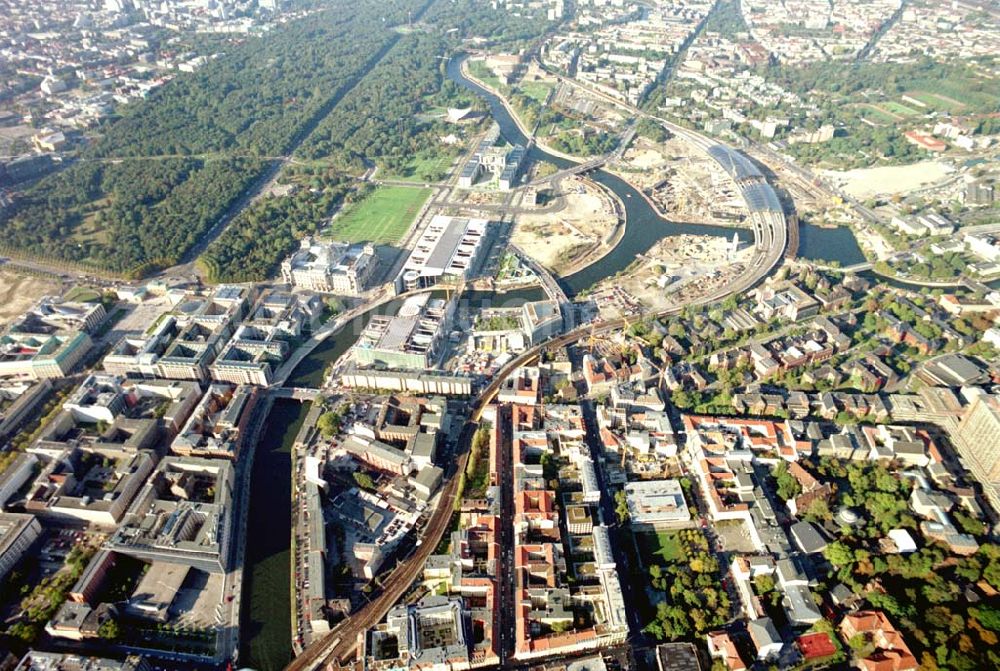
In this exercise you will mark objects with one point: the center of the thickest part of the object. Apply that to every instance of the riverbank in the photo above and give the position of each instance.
(663, 215)
(644, 226)
(607, 245)
(515, 117)
(609, 242)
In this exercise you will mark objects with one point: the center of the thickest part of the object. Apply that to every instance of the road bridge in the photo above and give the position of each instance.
(856, 268)
(341, 641)
(296, 393)
(771, 239)
(550, 284)
(592, 164)
(378, 298)
(579, 168)
(975, 285)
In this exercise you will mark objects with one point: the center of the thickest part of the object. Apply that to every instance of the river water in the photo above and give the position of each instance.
(829, 244)
(644, 226)
(265, 632)
(265, 622)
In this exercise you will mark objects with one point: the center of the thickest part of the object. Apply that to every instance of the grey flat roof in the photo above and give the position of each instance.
(444, 248)
(807, 537)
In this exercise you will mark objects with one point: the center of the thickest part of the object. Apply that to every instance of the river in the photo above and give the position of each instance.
(265, 633)
(644, 227)
(265, 623)
(817, 243)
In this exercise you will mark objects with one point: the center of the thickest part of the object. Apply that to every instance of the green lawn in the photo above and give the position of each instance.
(382, 217)
(418, 169)
(537, 90)
(935, 101)
(660, 547)
(480, 71)
(83, 295)
(876, 113)
(899, 108)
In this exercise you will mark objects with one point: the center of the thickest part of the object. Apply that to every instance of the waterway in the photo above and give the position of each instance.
(644, 227)
(310, 372)
(817, 243)
(265, 623)
(265, 631)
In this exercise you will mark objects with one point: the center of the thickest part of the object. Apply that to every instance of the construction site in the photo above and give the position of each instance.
(677, 270)
(681, 181)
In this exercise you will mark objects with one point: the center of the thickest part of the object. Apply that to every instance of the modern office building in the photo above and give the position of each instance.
(261, 342)
(448, 249)
(77, 486)
(410, 340)
(41, 354)
(63, 315)
(978, 441)
(99, 398)
(182, 344)
(656, 504)
(17, 533)
(182, 515)
(431, 635)
(216, 426)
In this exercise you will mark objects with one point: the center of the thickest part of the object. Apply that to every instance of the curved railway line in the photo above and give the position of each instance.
(771, 237)
(342, 640)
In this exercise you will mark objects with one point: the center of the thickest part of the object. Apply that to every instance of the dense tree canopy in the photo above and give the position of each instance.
(150, 204)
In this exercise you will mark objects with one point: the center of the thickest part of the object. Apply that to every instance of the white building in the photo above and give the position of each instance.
(658, 504)
(17, 533)
(449, 247)
(331, 267)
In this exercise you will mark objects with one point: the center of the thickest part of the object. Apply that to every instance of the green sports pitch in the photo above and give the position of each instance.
(382, 218)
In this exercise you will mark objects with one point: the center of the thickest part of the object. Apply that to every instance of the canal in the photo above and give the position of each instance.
(265, 623)
(310, 372)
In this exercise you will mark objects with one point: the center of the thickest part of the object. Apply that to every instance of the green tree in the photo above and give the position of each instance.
(987, 615)
(329, 424)
(109, 630)
(839, 554)
(363, 480)
(621, 506)
(788, 486)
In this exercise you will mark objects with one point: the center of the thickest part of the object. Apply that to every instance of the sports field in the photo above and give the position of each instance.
(876, 113)
(937, 101)
(383, 217)
(899, 108)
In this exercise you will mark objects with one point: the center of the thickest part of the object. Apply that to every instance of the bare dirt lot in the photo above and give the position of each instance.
(20, 292)
(868, 182)
(680, 179)
(557, 239)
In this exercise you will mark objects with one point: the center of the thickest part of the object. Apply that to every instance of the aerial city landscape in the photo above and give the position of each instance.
(536, 335)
